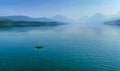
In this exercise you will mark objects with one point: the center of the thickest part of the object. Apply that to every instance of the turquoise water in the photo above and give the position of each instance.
(66, 48)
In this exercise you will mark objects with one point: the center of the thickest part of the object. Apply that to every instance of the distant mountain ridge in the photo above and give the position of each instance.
(61, 18)
(98, 17)
(22, 21)
(26, 18)
(57, 18)
(114, 22)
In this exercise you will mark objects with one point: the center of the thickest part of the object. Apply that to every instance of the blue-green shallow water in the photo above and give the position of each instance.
(65, 49)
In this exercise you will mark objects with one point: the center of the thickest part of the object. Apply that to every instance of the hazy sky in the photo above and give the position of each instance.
(48, 8)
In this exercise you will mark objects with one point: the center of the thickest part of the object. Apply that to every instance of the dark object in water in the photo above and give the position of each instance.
(39, 47)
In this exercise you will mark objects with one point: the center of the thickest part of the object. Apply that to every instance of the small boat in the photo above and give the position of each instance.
(39, 47)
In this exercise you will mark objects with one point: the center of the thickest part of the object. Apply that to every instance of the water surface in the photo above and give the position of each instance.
(66, 48)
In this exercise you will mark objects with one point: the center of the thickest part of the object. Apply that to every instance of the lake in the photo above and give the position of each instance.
(66, 48)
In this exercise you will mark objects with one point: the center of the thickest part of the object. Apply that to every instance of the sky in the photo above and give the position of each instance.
(48, 8)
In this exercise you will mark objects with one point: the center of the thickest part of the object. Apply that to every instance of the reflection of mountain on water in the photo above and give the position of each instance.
(26, 29)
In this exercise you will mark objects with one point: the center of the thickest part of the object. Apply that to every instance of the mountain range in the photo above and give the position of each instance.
(57, 18)
(27, 21)
(26, 18)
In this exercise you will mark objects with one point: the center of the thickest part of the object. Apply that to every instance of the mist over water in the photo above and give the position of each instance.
(86, 30)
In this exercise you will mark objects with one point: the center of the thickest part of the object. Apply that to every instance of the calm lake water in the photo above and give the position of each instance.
(66, 48)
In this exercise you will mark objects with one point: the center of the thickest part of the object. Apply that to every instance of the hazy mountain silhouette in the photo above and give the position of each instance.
(22, 21)
(61, 18)
(94, 19)
(26, 18)
(43, 19)
(17, 18)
